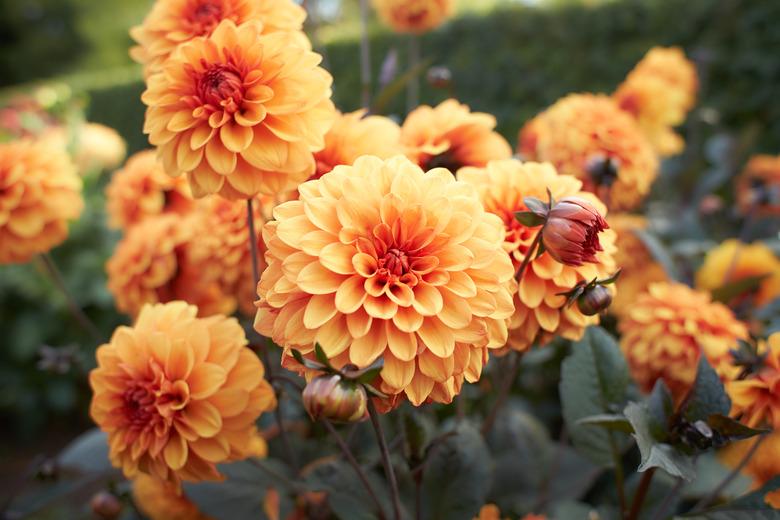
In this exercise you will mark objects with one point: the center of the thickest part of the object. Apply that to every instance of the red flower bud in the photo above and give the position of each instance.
(105, 505)
(594, 300)
(571, 234)
(329, 397)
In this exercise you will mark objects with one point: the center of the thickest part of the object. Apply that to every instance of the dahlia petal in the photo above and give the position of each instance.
(205, 379)
(200, 136)
(214, 449)
(427, 299)
(270, 152)
(236, 138)
(245, 374)
(204, 182)
(365, 350)
(462, 284)
(403, 345)
(187, 159)
(437, 337)
(180, 360)
(220, 158)
(314, 278)
(407, 319)
(203, 418)
(419, 389)
(396, 373)
(401, 294)
(456, 312)
(532, 289)
(359, 323)
(350, 295)
(365, 265)
(438, 369)
(382, 308)
(319, 310)
(175, 452)
(337, 257)
(230, 401)
(322, 213)
(334, 336)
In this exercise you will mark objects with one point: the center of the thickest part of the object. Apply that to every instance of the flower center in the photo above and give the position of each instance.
(206, 15)
(395, 262)
(222, 86)
(447, 160)
(139, 406)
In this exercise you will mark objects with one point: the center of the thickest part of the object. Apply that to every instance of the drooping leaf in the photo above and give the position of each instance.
(727, 292)
(615, 422)
(594, 381)
(752, 506)
(732, 429)
(457, 476)
(529, 218)
(707, 396)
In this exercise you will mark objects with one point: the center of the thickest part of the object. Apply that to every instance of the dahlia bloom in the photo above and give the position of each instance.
(762, 466)
(669, 327)
(414, 16)
(156, 262)
(239, 112)
(659, 92)
(732, 261)
(159, 500)
(451, 136)
(540, 311)
(380, 259)
(173, 22)
(758, 186)
(356, 134)
(40, 191)
(638, 269)
(142, 189)
(571, 234)
(589, 137)
(178, 394)
(756, 399)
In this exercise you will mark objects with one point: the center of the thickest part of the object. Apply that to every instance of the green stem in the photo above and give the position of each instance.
(503, 394)
(413, 87)
(641, 493)
(389, 472)
(529, 255)
(74, 308)
(619, 474)
(365, 57)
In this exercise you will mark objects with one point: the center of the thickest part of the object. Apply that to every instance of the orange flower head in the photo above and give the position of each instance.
(659, 93)
(571, 235)
(589, 137)
(451, 136)
(159, 500)
(540, 312)
(732, 261)
(142, 189)
(381, 260)
(356, 134)
(762, 466)
(638, 268)
(173, 22)
(668, 327)
(757, 398)
(157, 262)
(40, 191)
(758, 186)
(178, 394)
(414, 16)
(240, 112)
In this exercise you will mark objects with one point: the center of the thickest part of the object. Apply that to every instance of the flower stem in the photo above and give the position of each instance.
(529, 255)
(380, 437)
(503, 394)
(641, 493)
(365, 56)
(356, 466)
(413, 86)
(704, 502)
(74, 308)
(619, 475)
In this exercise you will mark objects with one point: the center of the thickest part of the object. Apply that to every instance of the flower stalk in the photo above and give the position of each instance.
(388, 465)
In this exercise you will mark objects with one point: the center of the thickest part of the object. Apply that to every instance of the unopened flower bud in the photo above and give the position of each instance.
(329, 397)
(439, 77)
(571, 234)
(105, 505)
(594, 300)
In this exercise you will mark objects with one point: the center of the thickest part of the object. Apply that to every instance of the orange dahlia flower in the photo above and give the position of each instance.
(758, 186)
(638, 268)
(589, 137)
(157, 262)
(669, 327)
(659, 93)
(414, 16)
(356, 134)
(756, 399)
(173, 22)
(762, 466)
(159, 500)
(381, 260)
(142, 189)
(40, 191)
(451, 136)
(540, 312)
(732, 261)
(178, 394)
(239, 111)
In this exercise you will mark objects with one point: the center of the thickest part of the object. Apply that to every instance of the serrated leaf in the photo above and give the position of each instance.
(732, 429)
(457, 476)
(707, 396)
(614, 422)
(594, 381)
(727, 292)
(655, 454)
(529, 218)
(752, 506)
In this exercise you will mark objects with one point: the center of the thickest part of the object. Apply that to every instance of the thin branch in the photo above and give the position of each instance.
(620, 479)
(641, 493)
(529, 255)
(503, 394)
(75, 309)
(389, 472)
(660, 512)
(365, 57)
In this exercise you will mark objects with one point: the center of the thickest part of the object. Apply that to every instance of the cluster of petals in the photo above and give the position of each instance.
(355, 134)
(240, 112)
(732, 261)
(758, 186)
(160, 500)
(659, 92)
(451, 136)
(173, 22)
(756, 398)
(157, 261)
(40, 191)
(540, 311)
(581, 129)
(638, 269)
(414, 16)
(178, 394)
(669, 327)
(383, 260)
(141, 189)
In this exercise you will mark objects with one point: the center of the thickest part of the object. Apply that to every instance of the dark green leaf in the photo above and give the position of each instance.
(321, 356)
(88, 453)
(536, 206)
(658, 251)
(655, 454)
(457, 476)
(613, 422)
(416, 434)
(594, 381)
(298, 356)
(612, 279)
(347, 496)
(752, 506)
(707, 396)
(727, 292)
(660, 405)
(732, 429)
(529, 218)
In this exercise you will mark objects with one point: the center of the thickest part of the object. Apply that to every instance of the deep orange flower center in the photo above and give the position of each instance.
(205, 15)
(447, 160)
(221, 86)
(139, 406)
(395, 262)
